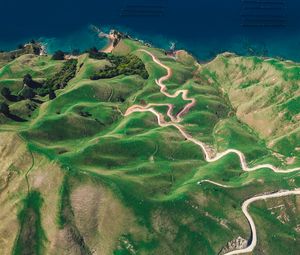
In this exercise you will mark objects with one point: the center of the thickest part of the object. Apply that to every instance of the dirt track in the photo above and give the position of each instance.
(175, 120)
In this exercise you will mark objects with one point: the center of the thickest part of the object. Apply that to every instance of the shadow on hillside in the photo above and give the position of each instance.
(36, 101)
(13, 98)
(34, 84)
(15, 117)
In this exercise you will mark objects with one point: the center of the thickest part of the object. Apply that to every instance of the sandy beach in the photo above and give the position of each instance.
(111, 38)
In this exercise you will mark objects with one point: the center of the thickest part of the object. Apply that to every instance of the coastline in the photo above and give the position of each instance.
(202, 51)
(110, 44)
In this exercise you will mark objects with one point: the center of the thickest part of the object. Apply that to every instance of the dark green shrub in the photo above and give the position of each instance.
(58, 55)
(52, 95)
(127, 65)
(61, 79)
(5, 92)
(4, 108)
(28, 93)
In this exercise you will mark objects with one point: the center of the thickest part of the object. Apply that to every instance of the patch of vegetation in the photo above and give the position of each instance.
(127, 65)
(32, 88)
(243, 68)
(257, 61)
(61, 79)
(293, 105)
(294, 87)
(58, 55)
(4, 108)
(209, 74)
(225, 61)
(27, 79)
(248, 83)
(66, 216)
(94, 53)
(64, 203)
(292, 74)
(27, 93)
(31, 238)
(288, 73)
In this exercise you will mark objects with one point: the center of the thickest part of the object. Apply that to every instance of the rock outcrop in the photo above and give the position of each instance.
(235, 244)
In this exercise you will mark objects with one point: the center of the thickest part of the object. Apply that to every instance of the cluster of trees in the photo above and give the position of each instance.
(61, 79)
(32, 88)
(6, 92)
(4, 108)
(128, 65)
(96, 54)
(27, 79)
(26, 93)
(58, 55)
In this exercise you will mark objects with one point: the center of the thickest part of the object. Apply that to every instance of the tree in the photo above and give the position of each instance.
(4, 108)
(121, 99)
(52, 94)
(42, 91)
(58, 55)
(28, 93)
(27, 79)
(5, 92)
(95, 54)
(95, 77)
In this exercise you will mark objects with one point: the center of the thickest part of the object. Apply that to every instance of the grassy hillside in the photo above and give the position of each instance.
(77, 177)
(265, 95)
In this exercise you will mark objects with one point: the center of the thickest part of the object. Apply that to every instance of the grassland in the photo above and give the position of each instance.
(77, 177)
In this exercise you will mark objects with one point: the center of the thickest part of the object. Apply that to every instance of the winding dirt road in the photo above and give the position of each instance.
(175, 120)
(245, 206)
(209, 157)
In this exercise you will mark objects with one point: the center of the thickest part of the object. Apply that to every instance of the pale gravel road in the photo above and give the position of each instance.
(209, 158)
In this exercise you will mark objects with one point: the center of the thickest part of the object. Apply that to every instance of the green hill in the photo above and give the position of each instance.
(79, 177)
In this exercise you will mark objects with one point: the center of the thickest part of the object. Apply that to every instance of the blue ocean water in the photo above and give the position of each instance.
(205, 28)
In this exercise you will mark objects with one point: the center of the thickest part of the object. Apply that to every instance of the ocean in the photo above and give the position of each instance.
(205, 28)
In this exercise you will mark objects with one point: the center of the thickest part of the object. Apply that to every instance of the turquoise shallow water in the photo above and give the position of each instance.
(204, 49)
(80, 40)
